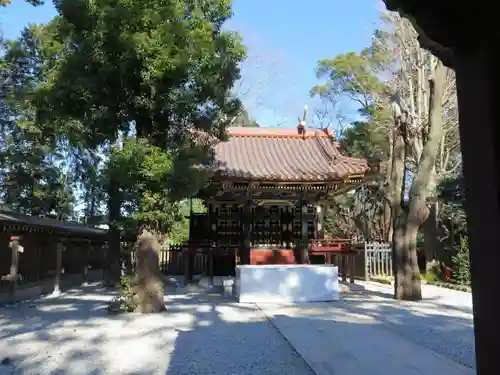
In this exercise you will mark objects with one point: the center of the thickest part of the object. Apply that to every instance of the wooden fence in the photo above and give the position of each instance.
(172, 261)
(377, 259)
(374, 259)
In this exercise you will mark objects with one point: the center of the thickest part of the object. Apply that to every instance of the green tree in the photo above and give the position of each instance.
(355, 77)
(142, 171)
(180, 229)
(452, 220)
(410, 97)
(243, 119)
(32, 171)
(461, 269)
(157, 71)
(365, 139)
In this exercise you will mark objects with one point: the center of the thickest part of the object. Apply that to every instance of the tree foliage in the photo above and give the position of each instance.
(461, 273)
(140, 75)
(364, 139)
(243, 119)
(407, 104)
(141, 171)
(33, 173)
(355, 77)
(116, 99)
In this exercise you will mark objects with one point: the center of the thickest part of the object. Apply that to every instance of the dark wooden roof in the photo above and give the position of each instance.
(273, 154)
(11, 218)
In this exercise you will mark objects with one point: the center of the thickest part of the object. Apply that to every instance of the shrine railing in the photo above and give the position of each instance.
(333, 245)
(371, 259)
(172, 259)
(378, 259)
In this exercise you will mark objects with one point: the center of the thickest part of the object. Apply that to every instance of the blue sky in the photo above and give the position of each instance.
(285, 41)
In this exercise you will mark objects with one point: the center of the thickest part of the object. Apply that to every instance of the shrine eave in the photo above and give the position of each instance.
(11, 221)
(283, 156)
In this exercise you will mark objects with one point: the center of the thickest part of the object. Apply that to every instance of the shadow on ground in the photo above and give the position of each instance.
(437, 323)
(200, 334)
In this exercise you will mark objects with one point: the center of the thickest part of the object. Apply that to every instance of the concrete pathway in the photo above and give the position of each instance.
(199, 334)
(368, 333)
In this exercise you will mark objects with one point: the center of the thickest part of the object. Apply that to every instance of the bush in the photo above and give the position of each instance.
(431, 275)
(125, 302)
(461, 271)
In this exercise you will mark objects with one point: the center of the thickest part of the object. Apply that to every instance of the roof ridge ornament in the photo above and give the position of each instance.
(301, 127)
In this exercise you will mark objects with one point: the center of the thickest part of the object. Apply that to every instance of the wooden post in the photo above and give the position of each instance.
(365, 249)
(247, 229)
(39, 255)
(86, 253)
(304, 240)
(104, 262)
(320, 222)
(185, 260)
(188, 254)
(190, 229)
(211, 257)
(57, 276)
(213, 219)
(343, 260)
(328, 258)
(236, 257)
(352, 268)
(14, 267)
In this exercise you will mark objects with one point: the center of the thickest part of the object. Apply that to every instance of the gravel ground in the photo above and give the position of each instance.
(210, 334)
(199, 334)
(442, 322)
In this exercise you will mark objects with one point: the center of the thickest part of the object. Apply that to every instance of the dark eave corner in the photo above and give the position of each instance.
(445, 29)
(376, 169)
(377, 166)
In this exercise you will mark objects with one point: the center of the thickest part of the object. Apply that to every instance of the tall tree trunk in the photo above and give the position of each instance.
(387, 204)
(407, 282)
(397, 209)
(149, 290)
(114, 217)
(92, 203)
(433, 247)
(114, 249)
(407, 276)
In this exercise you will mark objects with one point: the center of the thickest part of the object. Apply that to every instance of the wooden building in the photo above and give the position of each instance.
(35, 250)
(267, 195)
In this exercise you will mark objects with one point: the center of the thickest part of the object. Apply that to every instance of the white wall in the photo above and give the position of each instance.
(287, 283)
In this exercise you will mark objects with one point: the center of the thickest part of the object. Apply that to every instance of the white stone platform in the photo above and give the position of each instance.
(287, 283)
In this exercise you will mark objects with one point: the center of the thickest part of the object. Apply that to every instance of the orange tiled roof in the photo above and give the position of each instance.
(274, 154)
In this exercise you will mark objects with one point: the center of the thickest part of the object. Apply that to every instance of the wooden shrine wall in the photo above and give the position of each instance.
(271, 225)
